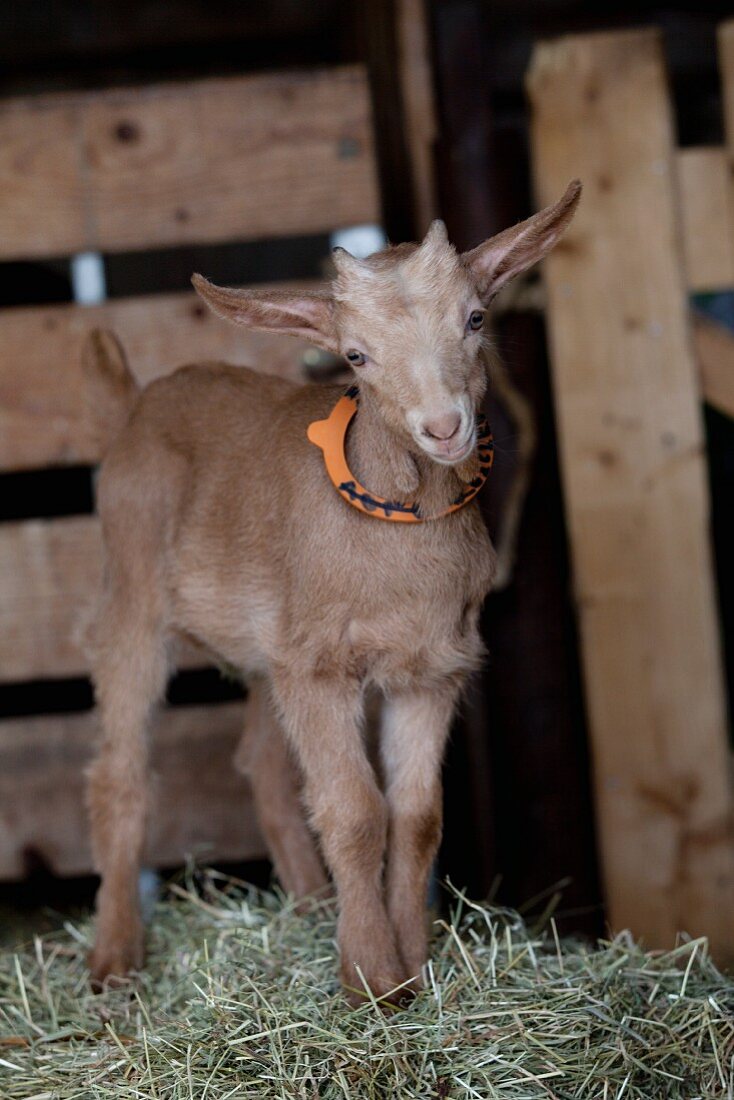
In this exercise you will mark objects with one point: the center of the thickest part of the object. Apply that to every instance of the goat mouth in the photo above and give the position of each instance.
(452, 456)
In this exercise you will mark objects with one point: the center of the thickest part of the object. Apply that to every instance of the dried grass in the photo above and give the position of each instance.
(240, 999)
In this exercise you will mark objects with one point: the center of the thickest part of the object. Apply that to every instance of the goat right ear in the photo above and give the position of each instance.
(295, 313)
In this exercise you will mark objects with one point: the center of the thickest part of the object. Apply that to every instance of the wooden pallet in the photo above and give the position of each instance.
(653, 224)
(215, 161)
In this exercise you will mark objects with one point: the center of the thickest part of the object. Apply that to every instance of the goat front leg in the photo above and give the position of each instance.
(268, 761)
(413, 738)
(323, 719)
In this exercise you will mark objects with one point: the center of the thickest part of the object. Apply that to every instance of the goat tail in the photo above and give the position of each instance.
(110, 388)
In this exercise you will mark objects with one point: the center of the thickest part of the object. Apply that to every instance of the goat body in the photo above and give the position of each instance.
(220, 524)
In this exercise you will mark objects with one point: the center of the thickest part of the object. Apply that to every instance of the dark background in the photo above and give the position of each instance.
(519, 814)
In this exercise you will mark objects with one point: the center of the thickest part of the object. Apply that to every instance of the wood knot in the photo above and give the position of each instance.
(127, 131)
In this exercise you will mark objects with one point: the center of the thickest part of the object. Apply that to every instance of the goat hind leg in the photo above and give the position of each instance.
(130, 675)
(266, 758)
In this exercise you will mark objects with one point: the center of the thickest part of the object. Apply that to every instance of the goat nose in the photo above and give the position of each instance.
(443, 427)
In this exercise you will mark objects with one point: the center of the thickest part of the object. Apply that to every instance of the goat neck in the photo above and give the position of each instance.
(384, 461)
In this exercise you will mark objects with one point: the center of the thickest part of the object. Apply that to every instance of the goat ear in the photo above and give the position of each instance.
(308, 316)
(497, 260)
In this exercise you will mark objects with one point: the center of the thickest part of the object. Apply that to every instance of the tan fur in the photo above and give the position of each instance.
(110, 391)
(220, 523)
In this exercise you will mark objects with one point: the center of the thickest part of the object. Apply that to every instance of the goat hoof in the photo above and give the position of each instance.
(114, 965)
(414, 986)
(392, 998)
(390, 992)
(417, 981)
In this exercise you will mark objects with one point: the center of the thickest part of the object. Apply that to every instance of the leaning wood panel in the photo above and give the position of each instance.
(50, 577)
(726, 68)
(42, 814)
(708, 231)
(260, 156)
(631, 448)
(42, 418)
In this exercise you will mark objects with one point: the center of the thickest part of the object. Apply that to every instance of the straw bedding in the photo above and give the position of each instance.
(240, 999)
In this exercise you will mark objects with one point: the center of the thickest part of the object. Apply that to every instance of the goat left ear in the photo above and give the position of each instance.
(497, 260)
(308, 316)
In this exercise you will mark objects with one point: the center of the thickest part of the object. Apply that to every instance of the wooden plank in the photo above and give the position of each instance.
(42, 408)
(50, 580)
(632, 458)
(42, 813)
(51, 575)
(708, 232)
(269, 155)
(714, 349)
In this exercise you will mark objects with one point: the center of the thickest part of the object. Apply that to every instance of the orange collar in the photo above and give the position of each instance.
(330, 435)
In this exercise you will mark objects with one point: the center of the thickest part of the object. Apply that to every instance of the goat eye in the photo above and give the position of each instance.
(476, 320)
(356, 358)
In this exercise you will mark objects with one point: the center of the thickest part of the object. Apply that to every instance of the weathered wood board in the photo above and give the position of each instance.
(50, 581)
(42, 407)
(50, 578)
(706, 218)
(269, 155)
(202, 804)
(632, 457)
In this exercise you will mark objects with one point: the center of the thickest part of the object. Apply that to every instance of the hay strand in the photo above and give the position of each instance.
(240, 1000)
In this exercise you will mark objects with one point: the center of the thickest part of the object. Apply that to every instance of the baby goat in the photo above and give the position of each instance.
(221, 523)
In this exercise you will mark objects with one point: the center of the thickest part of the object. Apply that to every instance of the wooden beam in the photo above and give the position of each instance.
(470, 178)
(416, 82)
(42, 408)
(708, 231)
(376, 27)
(632, 458)
(42, 812)
(271, 155)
